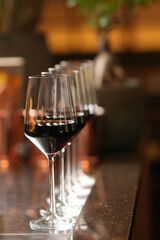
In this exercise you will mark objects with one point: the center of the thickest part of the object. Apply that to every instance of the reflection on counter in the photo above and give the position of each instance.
(106, 215)
(111, 200)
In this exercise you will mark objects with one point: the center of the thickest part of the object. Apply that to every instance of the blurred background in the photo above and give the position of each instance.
(124, 42)
(55, 30)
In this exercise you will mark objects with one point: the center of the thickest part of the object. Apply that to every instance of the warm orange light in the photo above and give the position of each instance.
(31, 212)
(65, 41)
(42, 163)
(4, 164)
(85, 165)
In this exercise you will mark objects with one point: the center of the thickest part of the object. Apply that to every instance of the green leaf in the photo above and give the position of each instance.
(103, 21)
(71, 3)
(101, 12)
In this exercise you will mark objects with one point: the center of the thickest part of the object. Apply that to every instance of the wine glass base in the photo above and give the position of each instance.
(86, 181)
(44, 212)
(52, 223)
(72, 199)
(69, 211)
(63, 211)
(80, 191)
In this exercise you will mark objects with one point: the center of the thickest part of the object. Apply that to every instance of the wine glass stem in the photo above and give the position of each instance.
(78, 159)
(52, 186)
(74, 163)
(62, 194)
(68, 159)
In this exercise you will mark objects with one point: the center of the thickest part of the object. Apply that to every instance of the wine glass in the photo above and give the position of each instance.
(49, 124)
(90, 99)
(69, 197)
(88, 75)
(65, 206)
(69, 66)
(81, 118)
(86, 71)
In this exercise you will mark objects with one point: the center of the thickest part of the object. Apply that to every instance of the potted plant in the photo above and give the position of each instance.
(105, 14)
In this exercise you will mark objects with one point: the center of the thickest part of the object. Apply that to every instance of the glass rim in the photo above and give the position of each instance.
(47, 76)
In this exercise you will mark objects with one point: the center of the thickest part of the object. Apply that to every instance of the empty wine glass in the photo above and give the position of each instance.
(49, 124)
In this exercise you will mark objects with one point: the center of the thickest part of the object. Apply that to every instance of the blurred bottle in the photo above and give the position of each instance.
(19, 148)
(11, 86)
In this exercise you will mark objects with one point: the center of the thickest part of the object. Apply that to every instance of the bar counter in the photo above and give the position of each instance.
(107, 213)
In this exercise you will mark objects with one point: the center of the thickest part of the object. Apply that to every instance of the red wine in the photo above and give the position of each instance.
(50, 136)
(81, 121)
(91, 115)
(87, 115)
